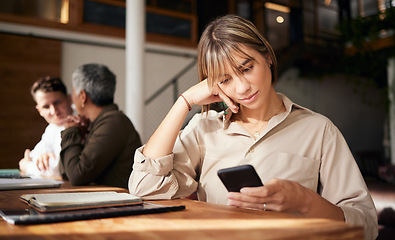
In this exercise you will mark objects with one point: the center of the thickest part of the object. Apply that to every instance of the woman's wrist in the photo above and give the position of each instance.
(186, 102)
(307, 202)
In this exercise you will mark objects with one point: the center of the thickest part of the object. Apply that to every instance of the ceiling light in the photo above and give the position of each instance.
(277, 7)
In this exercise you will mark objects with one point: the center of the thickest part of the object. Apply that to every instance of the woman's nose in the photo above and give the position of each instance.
(242, 86)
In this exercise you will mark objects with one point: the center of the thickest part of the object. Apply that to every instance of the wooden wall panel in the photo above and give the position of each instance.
(23, 59)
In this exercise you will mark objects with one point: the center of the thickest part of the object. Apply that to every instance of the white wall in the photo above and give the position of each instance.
(159, 68)
(75, 55)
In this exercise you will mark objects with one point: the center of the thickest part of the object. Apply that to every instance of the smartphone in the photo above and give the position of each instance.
(235, 178)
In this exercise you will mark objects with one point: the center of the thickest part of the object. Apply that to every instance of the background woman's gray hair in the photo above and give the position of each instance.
(98, 82)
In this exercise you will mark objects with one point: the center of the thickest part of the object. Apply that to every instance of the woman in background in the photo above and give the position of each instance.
(98, 144)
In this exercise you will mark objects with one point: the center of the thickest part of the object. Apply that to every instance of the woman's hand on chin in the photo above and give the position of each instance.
(203, 94)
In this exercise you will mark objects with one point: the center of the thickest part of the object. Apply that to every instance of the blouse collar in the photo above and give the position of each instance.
(232, 127)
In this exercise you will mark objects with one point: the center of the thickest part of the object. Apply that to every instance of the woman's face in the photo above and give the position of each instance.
(251, 88)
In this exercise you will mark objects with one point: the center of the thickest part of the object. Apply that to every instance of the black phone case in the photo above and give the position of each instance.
(235, 178)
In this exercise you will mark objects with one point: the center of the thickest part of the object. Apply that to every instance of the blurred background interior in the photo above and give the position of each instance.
(336, 57)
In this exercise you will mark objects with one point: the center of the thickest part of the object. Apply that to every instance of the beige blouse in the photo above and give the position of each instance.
(298, 145)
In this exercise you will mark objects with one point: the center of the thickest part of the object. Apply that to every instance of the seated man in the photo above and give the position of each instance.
(98, 145)
(54, 105)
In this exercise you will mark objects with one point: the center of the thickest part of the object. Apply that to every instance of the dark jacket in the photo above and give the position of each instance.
(106, 155)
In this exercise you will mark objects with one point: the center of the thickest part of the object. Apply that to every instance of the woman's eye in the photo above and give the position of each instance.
(224, 81)
(246, 69)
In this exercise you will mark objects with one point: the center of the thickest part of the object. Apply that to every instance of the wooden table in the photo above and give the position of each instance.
(199, 220)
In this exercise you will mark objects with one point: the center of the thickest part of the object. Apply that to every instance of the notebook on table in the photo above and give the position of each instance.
(62, 207)
(51, 202)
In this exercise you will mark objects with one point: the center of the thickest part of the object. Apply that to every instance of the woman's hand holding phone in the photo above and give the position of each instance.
(277, 195)
(247, 191)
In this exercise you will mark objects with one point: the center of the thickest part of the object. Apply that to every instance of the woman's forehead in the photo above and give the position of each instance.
(227, 63)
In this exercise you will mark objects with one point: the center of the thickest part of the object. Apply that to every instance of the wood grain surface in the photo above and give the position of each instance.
(200, 220)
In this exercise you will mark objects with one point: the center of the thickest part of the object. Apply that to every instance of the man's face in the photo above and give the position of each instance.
(54, 107)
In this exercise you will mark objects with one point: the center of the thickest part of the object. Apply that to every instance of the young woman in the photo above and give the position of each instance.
(301, 157)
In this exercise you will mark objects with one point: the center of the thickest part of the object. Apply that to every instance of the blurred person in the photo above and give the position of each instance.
(54, 105)
(98, 144)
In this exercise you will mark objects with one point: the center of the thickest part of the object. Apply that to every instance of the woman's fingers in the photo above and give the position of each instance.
(246, 201)
(230, 103)
(227, 100)
(277, 195)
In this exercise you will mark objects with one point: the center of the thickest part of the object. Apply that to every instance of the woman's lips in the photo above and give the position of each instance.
(249, 99)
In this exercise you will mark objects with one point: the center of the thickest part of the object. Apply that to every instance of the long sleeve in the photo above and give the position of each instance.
(170, 176)
(343, 185)
(49, 143)
(106, 157)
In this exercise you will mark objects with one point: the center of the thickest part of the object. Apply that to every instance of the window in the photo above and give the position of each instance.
(50, 10)
(167, 21)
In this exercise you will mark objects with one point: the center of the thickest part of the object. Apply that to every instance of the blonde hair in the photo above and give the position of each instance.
(222, 40)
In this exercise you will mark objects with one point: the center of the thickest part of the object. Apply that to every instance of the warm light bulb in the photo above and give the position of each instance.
(280, 19)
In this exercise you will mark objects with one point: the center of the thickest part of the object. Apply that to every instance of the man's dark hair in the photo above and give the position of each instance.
(48, 84)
